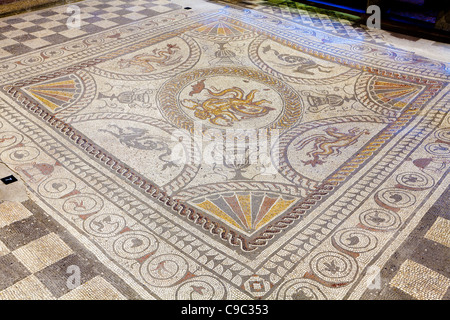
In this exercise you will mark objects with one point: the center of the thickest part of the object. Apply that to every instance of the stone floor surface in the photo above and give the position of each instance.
(225, 150)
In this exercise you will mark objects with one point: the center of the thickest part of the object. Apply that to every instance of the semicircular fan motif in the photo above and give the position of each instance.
(56, 94)
(220, 30)
(246, 211)
(394, 93)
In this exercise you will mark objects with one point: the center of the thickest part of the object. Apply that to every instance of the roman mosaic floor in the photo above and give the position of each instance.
(214, 150)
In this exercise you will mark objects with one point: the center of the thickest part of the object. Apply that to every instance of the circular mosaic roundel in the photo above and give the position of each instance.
(395, 198)
(443, 135)
(164, 270)
(134, 245)
(355, 240)
(229, 98)
(438, 149)
(415, 180)
(380, 220)
(334, 267)
(300, 289)
(201, 288)
(83, 204)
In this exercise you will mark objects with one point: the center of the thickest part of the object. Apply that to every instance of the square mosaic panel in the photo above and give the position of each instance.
(359, 141)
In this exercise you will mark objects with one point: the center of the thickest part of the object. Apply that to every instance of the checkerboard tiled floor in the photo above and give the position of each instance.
(420, 268)
(36, 259)
(24, 33)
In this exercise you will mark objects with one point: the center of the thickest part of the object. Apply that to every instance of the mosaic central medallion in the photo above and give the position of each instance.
(229, 97)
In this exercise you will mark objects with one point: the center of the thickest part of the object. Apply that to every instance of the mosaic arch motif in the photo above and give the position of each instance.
(57, 94)
(245, 211)
(398, 94)
(317, 246)
(221, 30)
(385, 96)
(64, 94)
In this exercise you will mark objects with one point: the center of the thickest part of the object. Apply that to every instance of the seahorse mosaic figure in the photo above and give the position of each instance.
(140, 139)
(146, 61)
(301, 64)
(226, 106)
(324, 145)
